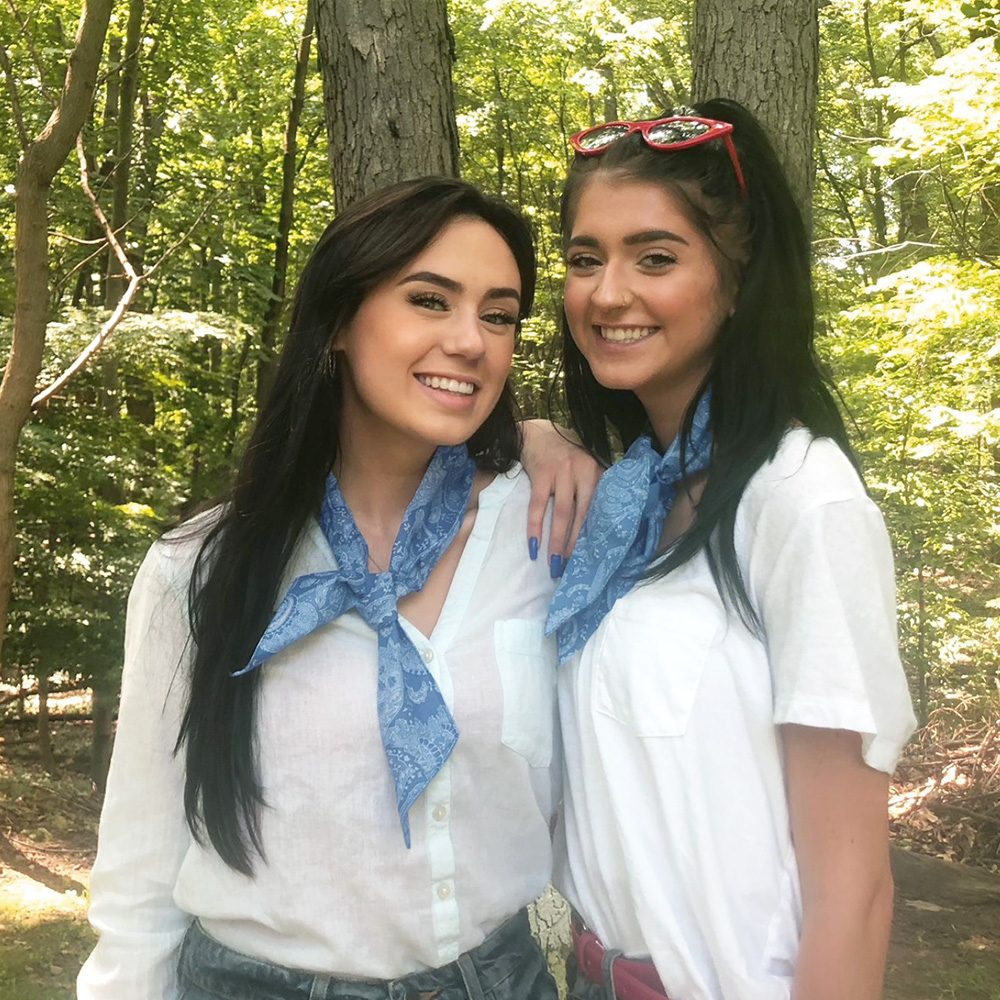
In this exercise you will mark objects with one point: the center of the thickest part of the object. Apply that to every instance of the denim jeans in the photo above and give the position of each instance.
(508, 965)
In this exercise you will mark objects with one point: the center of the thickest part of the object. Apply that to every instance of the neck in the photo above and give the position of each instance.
(666, 424)
(666, 412)
(379, 487)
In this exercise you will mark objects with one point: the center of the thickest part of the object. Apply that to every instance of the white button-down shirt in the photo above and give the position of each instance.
(677, 838)
(339, 892)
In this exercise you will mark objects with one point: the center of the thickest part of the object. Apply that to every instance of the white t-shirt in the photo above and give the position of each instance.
(677, 840)
(340, 893)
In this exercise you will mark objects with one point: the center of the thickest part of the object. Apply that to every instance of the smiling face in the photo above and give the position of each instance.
(644, 295)
(426, 356)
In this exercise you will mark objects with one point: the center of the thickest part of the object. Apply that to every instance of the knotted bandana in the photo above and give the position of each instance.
(418, 731)
(622, 531)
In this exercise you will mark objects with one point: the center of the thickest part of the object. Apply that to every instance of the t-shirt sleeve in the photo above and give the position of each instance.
(143, 834)
(822, 576)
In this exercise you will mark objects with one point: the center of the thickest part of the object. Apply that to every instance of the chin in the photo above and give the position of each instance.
(614, 380)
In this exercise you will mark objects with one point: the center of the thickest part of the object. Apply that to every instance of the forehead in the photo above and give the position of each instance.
(610, 209)
(469, 250)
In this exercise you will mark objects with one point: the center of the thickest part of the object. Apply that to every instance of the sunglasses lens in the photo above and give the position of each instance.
(601, 137)
(667, 133)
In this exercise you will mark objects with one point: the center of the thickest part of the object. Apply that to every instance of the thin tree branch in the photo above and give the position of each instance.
(15, 102)
(60, 283)
(35, 58)
(55, 234)
(176, 246)
(134, 281)
(94, 346)
(109, 233)
(120, 309)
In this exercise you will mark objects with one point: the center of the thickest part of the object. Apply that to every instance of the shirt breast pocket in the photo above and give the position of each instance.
(651, 661)
(526, 660)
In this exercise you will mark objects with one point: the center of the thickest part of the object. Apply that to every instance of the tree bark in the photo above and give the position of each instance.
(124, 142)
(103, 735)
(39, 165)
(390, 109)
(764, 54)
(44, 732)
(286, 213)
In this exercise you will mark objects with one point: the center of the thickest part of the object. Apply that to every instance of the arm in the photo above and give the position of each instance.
(143, 835)
(559, 467)
(838, 809)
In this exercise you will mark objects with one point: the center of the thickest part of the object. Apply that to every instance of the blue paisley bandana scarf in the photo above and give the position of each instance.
(418, 731)
(622, 531)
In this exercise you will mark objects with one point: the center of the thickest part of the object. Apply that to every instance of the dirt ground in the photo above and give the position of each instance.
(946, 931)
(945, 945)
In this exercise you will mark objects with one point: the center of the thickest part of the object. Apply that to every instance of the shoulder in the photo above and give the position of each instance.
(171, 559)
(806, 472)
(510, 490)
(809, 494)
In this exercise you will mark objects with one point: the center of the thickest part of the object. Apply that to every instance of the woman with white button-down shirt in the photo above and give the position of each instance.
(732, 701)
(351, 796)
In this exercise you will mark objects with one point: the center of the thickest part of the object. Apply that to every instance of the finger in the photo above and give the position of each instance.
(585, 488)
(563, 513)
(541, 492)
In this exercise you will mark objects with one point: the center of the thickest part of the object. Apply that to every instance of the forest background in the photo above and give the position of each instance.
(207, 146)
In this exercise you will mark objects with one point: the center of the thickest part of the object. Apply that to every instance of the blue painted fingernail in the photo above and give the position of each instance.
(533, 548)
(555, 566)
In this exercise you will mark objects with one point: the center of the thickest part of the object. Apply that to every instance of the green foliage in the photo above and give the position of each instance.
(907, 220)
(987, 18)
(103, 469)
(918, 363)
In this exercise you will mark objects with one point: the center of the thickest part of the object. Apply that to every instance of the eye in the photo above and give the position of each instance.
(500, 317)
(657, 259)
(582, 262)
(428, 300)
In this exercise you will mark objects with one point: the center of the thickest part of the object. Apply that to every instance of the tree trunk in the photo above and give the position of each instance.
(764, 54)
(989, 230)
(286, 213)
(44, 731)
(124, 141)
(390, 109)
(102, 735)
(39, 165)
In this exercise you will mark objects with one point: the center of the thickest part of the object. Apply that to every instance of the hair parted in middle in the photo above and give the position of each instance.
(765, 375)
(281, 479)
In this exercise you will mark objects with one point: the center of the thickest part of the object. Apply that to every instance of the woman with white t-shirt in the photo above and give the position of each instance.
(351, 795)
(732, 700)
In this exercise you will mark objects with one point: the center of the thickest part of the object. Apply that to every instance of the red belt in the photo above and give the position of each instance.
(634, 979)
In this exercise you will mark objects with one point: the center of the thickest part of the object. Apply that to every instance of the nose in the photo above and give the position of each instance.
(464, 336)
(611, 292)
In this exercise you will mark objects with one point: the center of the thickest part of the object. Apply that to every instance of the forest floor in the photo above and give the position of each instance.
(946, 935)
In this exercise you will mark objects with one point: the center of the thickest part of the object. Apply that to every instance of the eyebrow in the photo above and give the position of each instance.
(634, 239)
(450, 285)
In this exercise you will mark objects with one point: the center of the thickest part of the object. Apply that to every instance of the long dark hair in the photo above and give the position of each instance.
(765, 375)
(280, 482)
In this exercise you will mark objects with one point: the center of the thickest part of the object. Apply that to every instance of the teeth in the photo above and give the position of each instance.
(448, 384)
(621, 334)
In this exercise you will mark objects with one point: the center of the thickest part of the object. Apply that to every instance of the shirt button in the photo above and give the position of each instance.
(444, 891)
(428, 655)
(439, 814)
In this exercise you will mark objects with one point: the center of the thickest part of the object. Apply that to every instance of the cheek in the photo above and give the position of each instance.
(501, 355)
(575, 303)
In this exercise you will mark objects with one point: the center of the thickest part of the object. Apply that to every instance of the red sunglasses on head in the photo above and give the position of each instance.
(678, 132)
